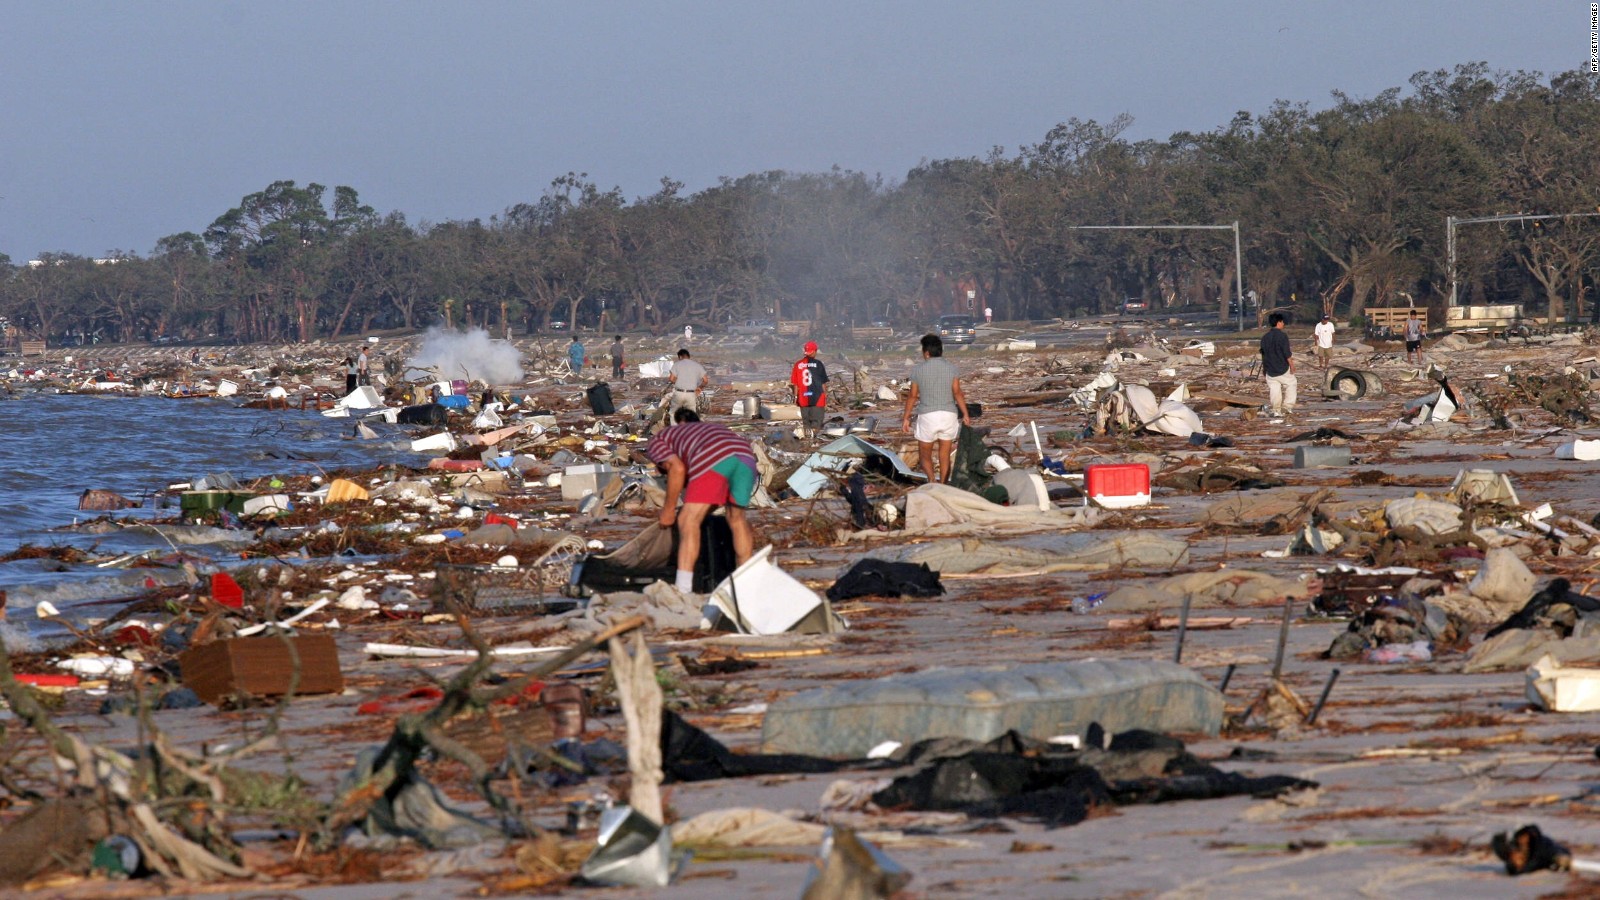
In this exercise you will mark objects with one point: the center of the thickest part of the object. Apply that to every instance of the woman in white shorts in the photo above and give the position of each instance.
(940, 407)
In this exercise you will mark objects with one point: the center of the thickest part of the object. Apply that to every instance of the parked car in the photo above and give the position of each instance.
(755, 326)
(558, 325)
(957, 329)
(1133, 306)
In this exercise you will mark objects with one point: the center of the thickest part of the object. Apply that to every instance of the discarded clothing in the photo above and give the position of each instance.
(1403, 620)
(882, 578)
(414, 808)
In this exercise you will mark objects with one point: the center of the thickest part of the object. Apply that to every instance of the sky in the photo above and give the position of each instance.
(124, 122)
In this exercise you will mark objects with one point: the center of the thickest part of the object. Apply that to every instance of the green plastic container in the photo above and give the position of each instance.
(197, 503)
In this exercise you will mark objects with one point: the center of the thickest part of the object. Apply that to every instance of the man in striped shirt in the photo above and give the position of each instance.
(710, 466)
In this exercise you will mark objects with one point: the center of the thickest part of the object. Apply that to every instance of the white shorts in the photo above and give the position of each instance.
(938, 426)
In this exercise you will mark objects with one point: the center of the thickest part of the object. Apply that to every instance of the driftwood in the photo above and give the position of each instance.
(414, 733)
(117, 792)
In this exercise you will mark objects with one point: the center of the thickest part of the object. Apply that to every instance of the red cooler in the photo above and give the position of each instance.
(1118, 486)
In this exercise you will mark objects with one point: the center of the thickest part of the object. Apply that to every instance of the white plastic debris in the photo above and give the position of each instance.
(1587, 451)
(98, 666)
(1557, 688)
(355, 597)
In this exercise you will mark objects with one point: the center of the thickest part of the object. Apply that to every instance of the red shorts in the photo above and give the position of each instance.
(717, 489)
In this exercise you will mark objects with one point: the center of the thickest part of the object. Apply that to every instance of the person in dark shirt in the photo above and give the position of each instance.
(1277, 364)
(616, 357)
(809, 378)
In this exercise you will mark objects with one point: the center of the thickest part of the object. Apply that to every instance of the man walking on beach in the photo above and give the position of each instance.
(1324, 339)
(576, 355)
(1413, 335)
(808, 377)
(939, 405)
(689, 378)
(1277, 363)
(616, 357)
(710, 466)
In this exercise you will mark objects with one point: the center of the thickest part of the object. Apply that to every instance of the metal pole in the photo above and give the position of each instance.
(1326, 690)
(1183, 628)
(1239, 277)
(1283, 639)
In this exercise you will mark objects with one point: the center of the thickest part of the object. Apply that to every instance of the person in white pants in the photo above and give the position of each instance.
(1277, 363)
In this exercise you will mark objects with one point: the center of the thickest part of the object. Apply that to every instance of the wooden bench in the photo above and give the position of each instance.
(872, 334)
(1394, 316)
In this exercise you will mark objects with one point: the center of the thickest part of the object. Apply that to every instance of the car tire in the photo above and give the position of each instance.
(1350, 386)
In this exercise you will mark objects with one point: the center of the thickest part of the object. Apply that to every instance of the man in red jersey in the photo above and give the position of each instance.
(808, 378)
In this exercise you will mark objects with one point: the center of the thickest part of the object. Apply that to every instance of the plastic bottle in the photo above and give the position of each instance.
(1081, 605)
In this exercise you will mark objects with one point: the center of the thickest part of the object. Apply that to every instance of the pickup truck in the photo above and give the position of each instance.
(755, 326)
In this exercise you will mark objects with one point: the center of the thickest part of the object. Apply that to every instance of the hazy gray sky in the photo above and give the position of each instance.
(123, 122)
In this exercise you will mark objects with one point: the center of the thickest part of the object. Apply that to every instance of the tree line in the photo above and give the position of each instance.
(1339, 209)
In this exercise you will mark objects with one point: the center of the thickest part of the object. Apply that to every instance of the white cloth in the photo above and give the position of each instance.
(1324, 333)
(940, 425)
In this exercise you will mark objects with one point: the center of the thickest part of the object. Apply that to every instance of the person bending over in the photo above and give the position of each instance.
(709, 466)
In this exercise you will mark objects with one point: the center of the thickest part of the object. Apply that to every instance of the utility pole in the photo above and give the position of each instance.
(1451, 222)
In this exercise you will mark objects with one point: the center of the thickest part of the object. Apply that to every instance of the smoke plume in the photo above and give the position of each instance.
(471, 355)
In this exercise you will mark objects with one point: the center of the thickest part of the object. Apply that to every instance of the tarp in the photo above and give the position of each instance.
(942, 509)
(835, 457)
(1234, 587)
(1138, 549)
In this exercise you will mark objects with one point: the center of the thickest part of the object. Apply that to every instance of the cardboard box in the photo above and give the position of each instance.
(261, 667)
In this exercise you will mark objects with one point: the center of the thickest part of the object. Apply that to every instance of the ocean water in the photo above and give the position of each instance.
(53, 447)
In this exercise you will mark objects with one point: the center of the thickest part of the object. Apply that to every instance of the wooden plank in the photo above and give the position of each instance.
(33, 348)
(1229, 398)
(1169, 623)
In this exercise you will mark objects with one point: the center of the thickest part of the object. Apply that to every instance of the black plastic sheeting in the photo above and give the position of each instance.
(689, 754)
(1558, 591)
(1016, 776)
(880, 578)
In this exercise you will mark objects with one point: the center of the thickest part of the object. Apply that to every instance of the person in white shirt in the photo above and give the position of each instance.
(1324, 339)
(689, 378)
(1413, 334)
